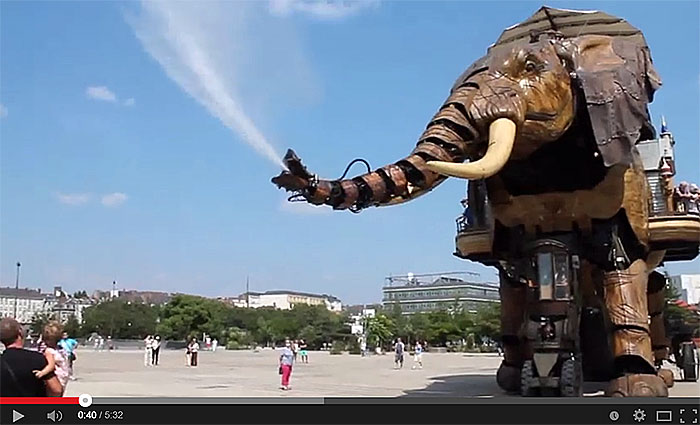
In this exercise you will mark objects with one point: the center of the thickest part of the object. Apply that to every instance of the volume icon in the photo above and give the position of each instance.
(54, 416)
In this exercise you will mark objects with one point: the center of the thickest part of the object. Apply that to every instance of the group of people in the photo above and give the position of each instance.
(211, 344)
(152, 354)
(686, 198)
(400, 351)
(35, 373)
(98, 342)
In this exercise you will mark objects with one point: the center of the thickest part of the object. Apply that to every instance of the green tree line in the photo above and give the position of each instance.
(187, 316)
(447, 327)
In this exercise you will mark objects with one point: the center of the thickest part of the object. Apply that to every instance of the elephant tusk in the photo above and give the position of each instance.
(501, 140)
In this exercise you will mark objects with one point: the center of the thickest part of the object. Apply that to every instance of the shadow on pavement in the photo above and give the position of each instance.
(466, 385)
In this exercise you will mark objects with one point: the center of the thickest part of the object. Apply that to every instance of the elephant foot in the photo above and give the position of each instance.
(508, 378)
(637, 385)
(667, 376)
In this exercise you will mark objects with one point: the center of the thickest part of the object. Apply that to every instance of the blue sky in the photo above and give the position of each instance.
(119, 163)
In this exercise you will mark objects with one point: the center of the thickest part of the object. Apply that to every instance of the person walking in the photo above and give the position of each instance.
(155, 350)
(214, 344)
(17, 366)
(295, 349)
(417, 355)
(399, 349)
(69, 345)
(285, 368)
(194, 352)
(303, 351)
(148, 353)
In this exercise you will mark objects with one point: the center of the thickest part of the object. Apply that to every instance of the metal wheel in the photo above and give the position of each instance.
(570, 381)
(527, 380)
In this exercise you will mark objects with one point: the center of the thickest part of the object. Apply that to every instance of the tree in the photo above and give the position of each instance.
(187, 316)
(72, 326)
(487, 322)
(379, 330)
(237, 338)
(81, 294)
(673, 313)
(120, 319)
(264, 331)
(421, 326)
(442, 328)
(38, 322)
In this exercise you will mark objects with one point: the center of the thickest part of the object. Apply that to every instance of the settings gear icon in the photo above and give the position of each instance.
(639, 415)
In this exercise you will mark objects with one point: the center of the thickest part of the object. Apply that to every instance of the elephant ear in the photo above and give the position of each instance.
(618, 80)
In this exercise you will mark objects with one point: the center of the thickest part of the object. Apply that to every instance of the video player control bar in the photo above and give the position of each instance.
(356, 411)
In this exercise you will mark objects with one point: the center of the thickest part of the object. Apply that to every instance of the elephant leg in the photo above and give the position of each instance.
(626, 302)
(515, 348)
(659, 341)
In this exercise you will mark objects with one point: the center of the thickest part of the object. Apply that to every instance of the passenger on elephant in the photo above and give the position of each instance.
(694, 207)
(682, 198)
(466, 219)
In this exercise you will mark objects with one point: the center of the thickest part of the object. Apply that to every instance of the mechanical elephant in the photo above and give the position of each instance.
(548, 125)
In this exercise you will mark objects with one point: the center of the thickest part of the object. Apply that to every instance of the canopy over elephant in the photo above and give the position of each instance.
(548, 119)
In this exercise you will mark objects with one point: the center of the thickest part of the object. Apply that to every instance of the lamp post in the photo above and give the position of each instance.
(17, 290)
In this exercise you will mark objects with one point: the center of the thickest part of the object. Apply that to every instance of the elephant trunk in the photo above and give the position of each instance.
(448, 138)
(479, 105)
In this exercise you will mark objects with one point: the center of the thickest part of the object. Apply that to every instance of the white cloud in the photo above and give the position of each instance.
(114, 199)
(72, 198)
(101, 93)
(321, 9)
(129, 102)
(304, 208)
(234, 58)
(3, 111)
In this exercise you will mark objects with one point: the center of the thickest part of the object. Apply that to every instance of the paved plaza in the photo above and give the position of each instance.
(254, 374)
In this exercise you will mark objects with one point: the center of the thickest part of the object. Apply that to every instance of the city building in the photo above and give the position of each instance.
(431, 292)
(135, 296)
(60, 306)
(285, 300)
(30, 302)
(688, 285)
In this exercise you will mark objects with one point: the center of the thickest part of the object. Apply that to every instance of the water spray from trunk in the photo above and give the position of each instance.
(182, 46)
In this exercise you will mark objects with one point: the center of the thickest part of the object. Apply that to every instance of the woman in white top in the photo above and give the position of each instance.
(148, 354)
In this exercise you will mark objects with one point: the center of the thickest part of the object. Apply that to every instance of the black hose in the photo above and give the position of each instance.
(351, 164)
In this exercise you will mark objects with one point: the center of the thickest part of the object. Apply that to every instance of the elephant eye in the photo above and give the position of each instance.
(530, 66)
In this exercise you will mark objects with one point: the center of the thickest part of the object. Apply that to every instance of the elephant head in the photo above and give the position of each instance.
(505, 107)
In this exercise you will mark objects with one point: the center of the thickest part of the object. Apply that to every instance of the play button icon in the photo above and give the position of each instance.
(16, 416)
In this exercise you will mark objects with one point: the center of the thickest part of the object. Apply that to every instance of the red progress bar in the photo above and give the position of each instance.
(39, 400)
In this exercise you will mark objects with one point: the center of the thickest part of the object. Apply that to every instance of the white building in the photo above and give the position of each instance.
(689, 287)
(358, 320)
(64, 309)
(30, 302)
(286, 300)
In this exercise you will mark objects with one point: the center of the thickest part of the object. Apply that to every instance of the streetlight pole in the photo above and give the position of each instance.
(17, 290)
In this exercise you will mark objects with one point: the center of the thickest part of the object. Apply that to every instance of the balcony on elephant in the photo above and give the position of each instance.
(475, 226)
(674, 213)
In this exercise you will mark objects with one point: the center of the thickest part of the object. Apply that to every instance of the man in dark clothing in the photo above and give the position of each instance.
(17, 366)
